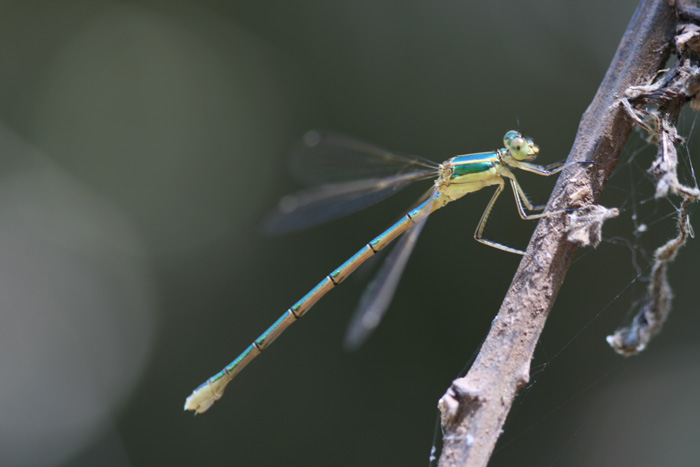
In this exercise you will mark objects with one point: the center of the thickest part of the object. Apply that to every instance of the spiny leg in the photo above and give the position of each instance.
(521, 199)
(546, 170)
(520, 195)
(479, 232)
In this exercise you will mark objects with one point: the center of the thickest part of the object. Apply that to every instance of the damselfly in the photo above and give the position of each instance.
(339, 158)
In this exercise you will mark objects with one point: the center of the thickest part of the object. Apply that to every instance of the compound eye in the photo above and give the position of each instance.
(509, 137)
(522, 148)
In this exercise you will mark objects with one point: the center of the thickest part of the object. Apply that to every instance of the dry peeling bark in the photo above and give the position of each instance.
(475, 407)
(656, 108)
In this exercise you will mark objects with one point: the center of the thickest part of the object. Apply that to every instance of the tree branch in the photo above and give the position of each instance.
(475, 407)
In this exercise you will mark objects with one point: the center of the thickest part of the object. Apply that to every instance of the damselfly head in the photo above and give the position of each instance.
(520, 148)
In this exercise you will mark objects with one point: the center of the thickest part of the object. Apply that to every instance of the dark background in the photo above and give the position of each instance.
(141, 143)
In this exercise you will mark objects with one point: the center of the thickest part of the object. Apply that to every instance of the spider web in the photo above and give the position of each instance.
(646, 227)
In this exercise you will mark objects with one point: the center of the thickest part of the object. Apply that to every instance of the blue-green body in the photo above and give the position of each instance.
(473, 164)
(455, 178)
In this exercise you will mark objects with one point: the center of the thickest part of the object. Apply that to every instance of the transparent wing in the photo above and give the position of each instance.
(378, 295)
(327, 202)
(349, 174)
(325, 157)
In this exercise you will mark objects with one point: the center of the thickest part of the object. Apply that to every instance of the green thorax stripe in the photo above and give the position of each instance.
(474, 163)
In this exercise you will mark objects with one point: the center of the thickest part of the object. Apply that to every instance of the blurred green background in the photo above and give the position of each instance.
(142, 142)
